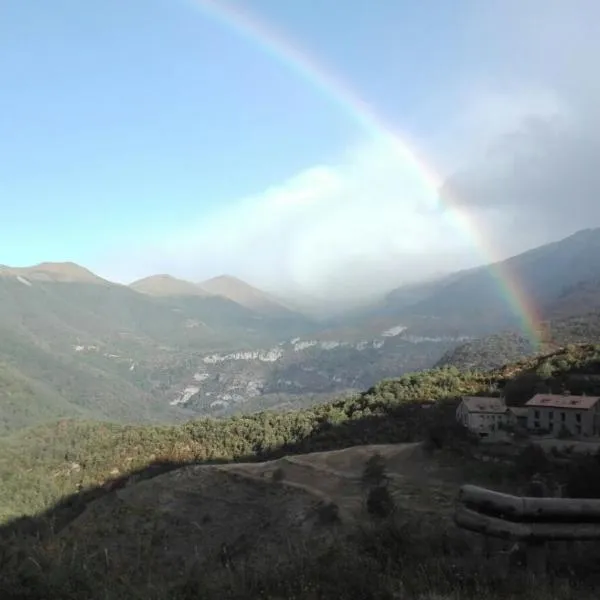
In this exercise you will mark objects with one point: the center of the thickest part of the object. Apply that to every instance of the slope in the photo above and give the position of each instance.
(166, 285)
(66, 272)
(188, 530)
(475, 302)
(112, 352)
(495, 350)
(241, 292)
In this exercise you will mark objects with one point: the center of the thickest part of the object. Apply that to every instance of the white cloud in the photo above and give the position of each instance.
(523, 148)
(527, 141)
(342, 231)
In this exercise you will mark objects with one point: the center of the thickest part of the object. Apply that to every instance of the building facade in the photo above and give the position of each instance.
(483, 416)
(555, 414)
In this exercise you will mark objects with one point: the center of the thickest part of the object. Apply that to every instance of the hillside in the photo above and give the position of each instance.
(166, 349)
(244, 294)
(388, 412)
(492, 351)
(66, 272)
(110, 352)
(296, 479)
(474, 302)
(578, 299)
(107, 351)
(166, 285)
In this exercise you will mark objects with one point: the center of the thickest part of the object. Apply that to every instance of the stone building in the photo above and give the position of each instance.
(555, 413)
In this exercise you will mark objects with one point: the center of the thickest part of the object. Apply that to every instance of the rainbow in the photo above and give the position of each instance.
(299, 62)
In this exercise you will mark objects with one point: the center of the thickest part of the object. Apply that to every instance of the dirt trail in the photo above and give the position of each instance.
(336, 476)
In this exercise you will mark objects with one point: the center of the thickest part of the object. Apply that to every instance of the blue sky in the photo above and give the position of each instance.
(140, 136)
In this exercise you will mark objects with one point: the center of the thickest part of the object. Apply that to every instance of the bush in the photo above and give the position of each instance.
(380, 503)
(374, 472)
(532, 460)
(328, 513)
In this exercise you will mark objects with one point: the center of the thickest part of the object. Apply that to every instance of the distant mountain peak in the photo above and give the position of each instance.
(243, 293)
(63, 272)
(167, 285)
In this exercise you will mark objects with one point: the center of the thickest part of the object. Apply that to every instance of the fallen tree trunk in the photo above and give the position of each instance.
(519, 509)
(496, 527)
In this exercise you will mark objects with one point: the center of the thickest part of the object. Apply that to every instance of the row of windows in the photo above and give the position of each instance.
(536, 425)
(563, 416)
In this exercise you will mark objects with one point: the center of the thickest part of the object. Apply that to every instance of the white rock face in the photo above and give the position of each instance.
(24, 281)
(331, 345)
(201, 377)
(272, 355)
(185, 395)
(393, 331)
(299, 345)
(416, 339)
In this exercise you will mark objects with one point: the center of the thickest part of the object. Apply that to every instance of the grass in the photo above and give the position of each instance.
(413, 554)
(400, 557)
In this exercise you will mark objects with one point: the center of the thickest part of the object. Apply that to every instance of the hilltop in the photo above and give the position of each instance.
(160, 503)
(165, 349)
(244, 294)
(166, 285)
(93, 348)
(65, 272)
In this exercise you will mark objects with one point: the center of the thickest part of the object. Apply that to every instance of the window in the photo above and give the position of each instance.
(551, 415)
(536, 424)
(578, 429)
(578, 417)
(537, 414)
(563, 416)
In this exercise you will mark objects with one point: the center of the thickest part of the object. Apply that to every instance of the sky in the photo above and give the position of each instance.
(275, 141)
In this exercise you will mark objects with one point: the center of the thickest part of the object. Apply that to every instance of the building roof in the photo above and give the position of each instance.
(562, 401)
(483, 404)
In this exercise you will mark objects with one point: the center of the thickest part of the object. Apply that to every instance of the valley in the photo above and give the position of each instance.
(166, 350)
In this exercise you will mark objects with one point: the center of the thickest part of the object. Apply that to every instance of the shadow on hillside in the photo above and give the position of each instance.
(27, 573)
(405, 423)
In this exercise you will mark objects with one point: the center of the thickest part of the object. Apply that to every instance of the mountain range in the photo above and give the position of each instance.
(165, 349)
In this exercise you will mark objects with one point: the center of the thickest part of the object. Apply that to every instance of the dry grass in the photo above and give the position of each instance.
(303, 534)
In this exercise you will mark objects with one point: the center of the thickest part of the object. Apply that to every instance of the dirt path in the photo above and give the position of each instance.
(416, 483)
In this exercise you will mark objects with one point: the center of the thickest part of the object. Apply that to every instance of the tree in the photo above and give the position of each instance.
(374, 472)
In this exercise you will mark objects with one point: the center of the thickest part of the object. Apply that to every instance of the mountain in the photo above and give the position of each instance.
(490, 352)
(478, 301)
(159, 350)
(166, 285)
(88, 347)
(65, 272)
(578, 299)
(244, 294)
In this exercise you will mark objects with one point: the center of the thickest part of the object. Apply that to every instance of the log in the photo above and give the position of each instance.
(496, 527)
(515, 508)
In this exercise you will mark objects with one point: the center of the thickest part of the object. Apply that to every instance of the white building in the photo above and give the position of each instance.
(482, 415)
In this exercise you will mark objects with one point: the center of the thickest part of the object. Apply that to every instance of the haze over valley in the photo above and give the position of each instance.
(162, 348)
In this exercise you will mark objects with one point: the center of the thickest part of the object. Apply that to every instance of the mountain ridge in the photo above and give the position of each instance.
(58, 272)
(243, 293)
(166, 285)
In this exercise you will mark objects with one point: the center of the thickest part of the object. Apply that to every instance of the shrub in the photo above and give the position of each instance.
(328, 513)
(374, 472)
(380, 503)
